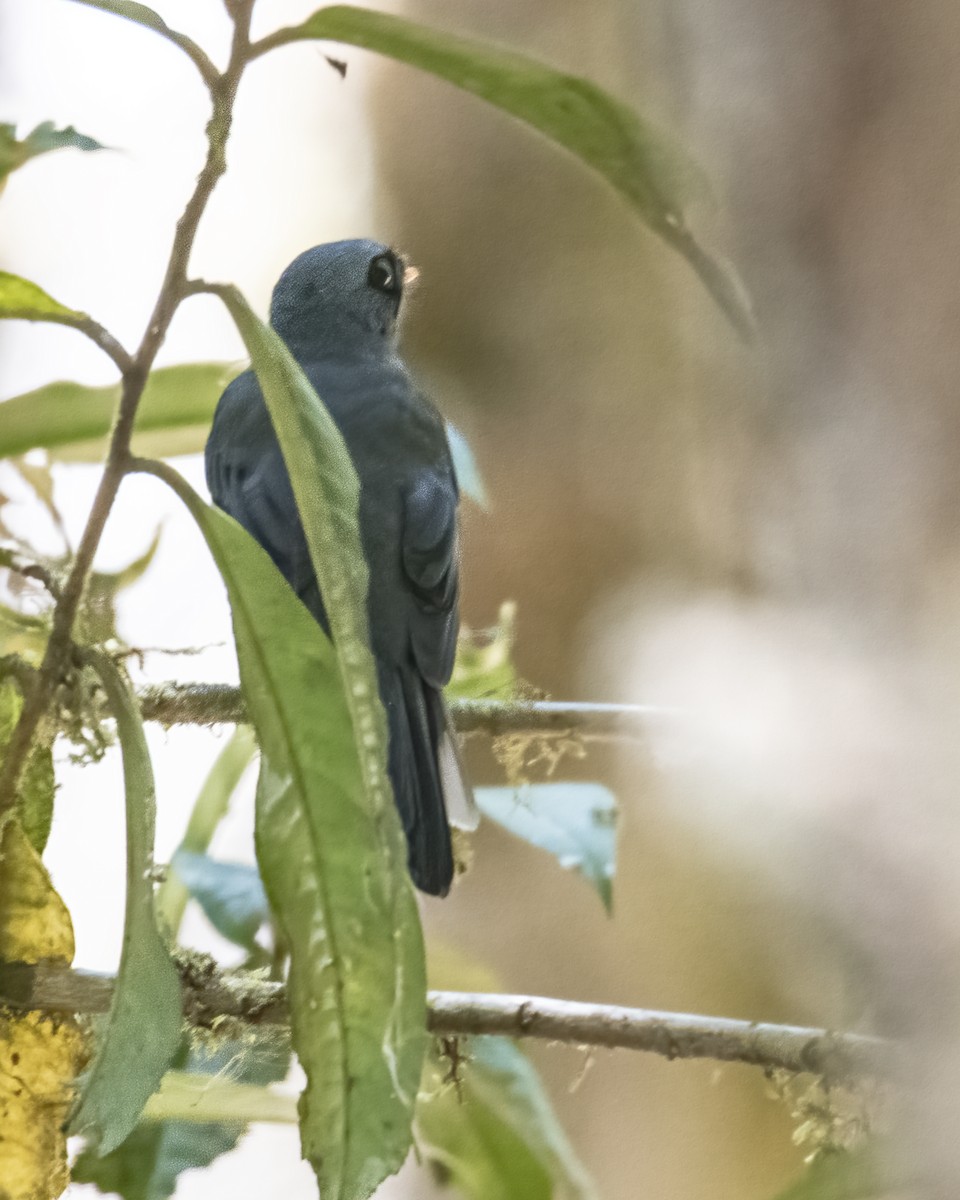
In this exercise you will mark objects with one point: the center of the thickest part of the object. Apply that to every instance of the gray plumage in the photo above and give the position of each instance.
(336, 307)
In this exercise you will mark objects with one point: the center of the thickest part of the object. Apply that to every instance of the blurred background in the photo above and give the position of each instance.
(763, 537)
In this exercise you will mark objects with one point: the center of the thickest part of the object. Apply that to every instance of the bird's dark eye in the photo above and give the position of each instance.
(383, 274)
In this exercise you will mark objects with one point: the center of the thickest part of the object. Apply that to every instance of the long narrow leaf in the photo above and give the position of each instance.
(143, 1028)
(73, 421)
(652, 174)
(356, 987)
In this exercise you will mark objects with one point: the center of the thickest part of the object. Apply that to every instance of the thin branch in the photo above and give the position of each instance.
(840, 1056)
(11, 561)
(211, 994)
(56, 660)
(208, 71)
(97, 334)
(222, 704)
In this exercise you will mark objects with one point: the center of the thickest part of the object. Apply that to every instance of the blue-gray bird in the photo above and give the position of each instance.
(336, 307)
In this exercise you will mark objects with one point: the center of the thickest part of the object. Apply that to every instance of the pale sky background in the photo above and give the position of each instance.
(94, 230)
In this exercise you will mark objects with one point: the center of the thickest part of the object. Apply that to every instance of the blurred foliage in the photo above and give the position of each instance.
(148, 1164)
(575, 822)
(484, 668)
(485, 1124)
(41, 140)
(329, 845)
(72, 420)
(230, 894)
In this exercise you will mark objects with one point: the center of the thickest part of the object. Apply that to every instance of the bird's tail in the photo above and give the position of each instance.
(426, 775)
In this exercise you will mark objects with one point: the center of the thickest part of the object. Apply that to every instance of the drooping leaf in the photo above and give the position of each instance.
(73, 421)
(484, 668)
(149, 1163)
(497, 1137)
(143, 1029)
(356, 987)
(25, 301)
(208, 809)
(46, 137)
(575, 822)
(469, 479)
(652, 174)
(230, 894)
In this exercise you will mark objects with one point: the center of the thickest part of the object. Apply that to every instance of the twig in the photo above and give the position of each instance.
(96, 333)
(30, 570)
(135, 371)
(211, 994)
(200, 60)
(671, 1035)
(220, 703)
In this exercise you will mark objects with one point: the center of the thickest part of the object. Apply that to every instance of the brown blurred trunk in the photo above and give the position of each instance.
(627, 439)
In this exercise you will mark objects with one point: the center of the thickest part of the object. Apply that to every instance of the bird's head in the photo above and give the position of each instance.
(341, 298)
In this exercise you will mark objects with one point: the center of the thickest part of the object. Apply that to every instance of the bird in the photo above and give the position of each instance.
(337, 308)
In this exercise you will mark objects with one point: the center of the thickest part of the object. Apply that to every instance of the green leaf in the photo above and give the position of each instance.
(143, 1028)
(42, 140)
(23, 634)
(73, 421)
(230, 894)
(575, 822)
(37, 785)
(651, 173)
(465, 467)
(148, 1164)
(356, 987)
(327, 493)
(842, 1175)
(22, 300)
(499, 1138)
(209, 807)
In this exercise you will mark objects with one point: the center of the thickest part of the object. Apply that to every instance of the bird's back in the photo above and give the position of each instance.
(408, 525)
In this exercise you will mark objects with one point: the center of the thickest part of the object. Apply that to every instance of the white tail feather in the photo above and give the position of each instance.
(462, 811)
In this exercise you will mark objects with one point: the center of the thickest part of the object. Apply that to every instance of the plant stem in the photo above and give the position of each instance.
(211, 994)
(57, 659)
(222, 704)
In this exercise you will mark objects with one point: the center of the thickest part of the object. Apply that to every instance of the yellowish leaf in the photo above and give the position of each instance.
(39, 1056)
